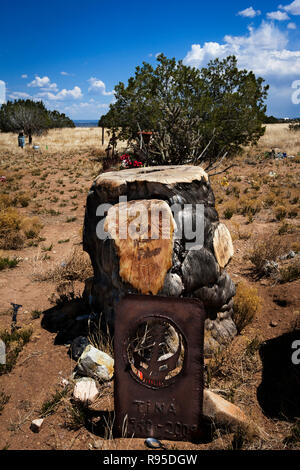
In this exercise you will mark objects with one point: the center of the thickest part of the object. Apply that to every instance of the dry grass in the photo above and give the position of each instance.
(60, 140)
(246, 304)
(266, 248)
(279, 136)
(290, 273)
(76, 267)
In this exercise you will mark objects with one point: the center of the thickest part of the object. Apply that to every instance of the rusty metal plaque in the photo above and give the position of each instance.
(158, 387)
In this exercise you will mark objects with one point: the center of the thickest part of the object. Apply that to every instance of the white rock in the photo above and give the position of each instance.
(96, 364)
(98, 444)
(64, 382)
(85, 390)
(36, 425)
(224, 413)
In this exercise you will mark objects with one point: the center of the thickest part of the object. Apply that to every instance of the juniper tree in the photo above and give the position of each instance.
(194, 114)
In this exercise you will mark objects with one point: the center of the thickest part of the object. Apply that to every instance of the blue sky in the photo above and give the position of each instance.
(71, 54)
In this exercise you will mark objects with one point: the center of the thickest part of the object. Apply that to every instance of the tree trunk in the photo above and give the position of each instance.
(161, 264)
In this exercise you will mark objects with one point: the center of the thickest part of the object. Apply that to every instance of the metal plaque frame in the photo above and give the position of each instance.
(169, 410)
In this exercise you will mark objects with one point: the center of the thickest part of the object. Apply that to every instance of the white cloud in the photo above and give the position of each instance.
(293, 8)
(249, 12)
(292, 26)
(17, 95)
(75, 93)
(24, 75)
(43, 82)
(263, 50)
(266, 51)
(82, 110)
(97, 85)
(2, 92)
(64, 73)
(278, 15)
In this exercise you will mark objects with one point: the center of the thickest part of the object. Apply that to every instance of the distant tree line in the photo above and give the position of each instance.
(31, 117)
(274, 120)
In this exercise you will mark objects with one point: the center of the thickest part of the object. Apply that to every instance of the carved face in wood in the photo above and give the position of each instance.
(143, 234)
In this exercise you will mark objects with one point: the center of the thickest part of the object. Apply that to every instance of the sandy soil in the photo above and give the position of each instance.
(57, 194)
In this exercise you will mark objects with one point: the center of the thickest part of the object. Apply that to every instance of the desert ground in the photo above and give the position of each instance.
(42, 203)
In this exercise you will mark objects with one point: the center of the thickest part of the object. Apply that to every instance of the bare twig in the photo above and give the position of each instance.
(223, 171)
(212, 167)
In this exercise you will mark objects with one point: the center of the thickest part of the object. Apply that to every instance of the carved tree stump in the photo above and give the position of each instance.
(163, 265)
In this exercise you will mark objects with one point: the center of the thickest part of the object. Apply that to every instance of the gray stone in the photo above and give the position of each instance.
(96, 364)
(218, 295)
(78, 345)
(199, 269)
(173, 286)
(270, 267)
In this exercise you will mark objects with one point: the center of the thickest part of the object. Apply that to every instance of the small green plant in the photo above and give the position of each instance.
(280, 213)
(14, 342)
(285, 228)
(292, 214)
(4, 399)
(35, 314)
(49, 406)
(71, 219)
(52, 212)
(8, 263)
(64, 241)
(76, 416)
(47, 248)
(228, 213)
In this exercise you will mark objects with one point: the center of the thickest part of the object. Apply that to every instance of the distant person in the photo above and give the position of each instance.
(21, 140)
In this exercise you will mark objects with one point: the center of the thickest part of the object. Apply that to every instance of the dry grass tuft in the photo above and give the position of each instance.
(246, 304)
(31, 226)
(290, 273)
(60, 141)
(279, 136)
(11, 237)
(77, 267)
(268, 248)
